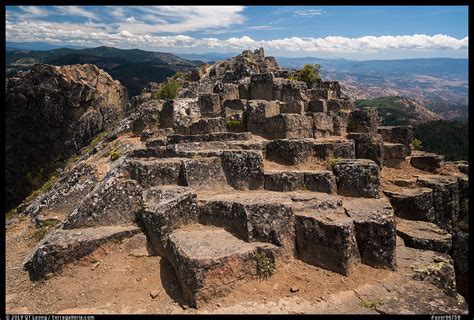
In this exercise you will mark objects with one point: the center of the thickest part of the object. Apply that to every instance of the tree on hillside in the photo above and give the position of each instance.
(308, 74)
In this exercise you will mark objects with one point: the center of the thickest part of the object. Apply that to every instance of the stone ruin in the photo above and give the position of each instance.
(247, 163)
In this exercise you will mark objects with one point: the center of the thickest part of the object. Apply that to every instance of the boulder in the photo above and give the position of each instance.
(357, 178)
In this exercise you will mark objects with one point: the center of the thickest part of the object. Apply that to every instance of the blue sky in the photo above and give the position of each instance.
(353, 32)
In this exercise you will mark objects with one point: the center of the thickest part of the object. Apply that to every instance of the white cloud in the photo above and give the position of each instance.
(308, 13)
(35, 10)
(76, 11)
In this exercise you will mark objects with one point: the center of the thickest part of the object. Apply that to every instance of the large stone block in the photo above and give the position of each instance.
(394, 154)
(363, 121)
(208, 125)
(320, 181)
(340, 121)
(209, 104)
(423, 235)
(397, 134)
(154, 172)
(375, 231)
(322, 125)
(205, 173)
(368, 146)
(261, 86)
(413, 204)
(113, 202)
(338, 148)
(445, 198)
(462, 223)
(327, 239)
(179, 113)
(259, 110)
(318, 93)
(297, 107)
(357, 178)
(288, 126)
(460, 254)
(292, 91)
(319, 105)
(289, 151)
(243, 169)
(284, 180)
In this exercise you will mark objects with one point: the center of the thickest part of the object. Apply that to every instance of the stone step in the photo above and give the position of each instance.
(252, 216)
(295, 151)
(153, 172)
(394, 154)
(64, 246)
(423, 235)
(413, 203)
(290, 180)
(217, 136)
(426, 161)
(209, 262)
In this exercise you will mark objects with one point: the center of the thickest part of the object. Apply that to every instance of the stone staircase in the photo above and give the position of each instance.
(293, 185)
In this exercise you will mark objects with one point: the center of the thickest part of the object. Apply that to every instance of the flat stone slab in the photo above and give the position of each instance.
(424, 235)
(154, 172)
(426, 161)
(318, 181)
(204, 173)
(217, 136)
(209, 262)
(65, 246)
(412, 204)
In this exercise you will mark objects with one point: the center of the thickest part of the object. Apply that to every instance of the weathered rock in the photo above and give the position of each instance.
(337, 148)
(288, 126)
(290, 91)
(51, 113)
(363, 121)
(322, 124)
(208, 125)
(155, 172)
(258, 111)
(64, 246)
(412, 204)
(178, 114)
(216, 136)
(289, 151)
(209, 104)
(261, 86)
(375, 231)
(226, 91)
(326, 239)
(243, 169)
(155, 142)
(318, 93)
(320, 181)
(340, 121)
(319, 105)
(445, 198)
(113, 202)
(460, 254)
(426, 161)
(205, 173)
(423, 235)
(397, 134)
(368, 146)
(462, 223)
(394, 154)
(167, 209)
(210, 262)
(284, 181)
(357, 178)
(297, 107)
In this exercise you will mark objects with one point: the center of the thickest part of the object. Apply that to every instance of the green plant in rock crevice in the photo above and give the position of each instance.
(265, 265)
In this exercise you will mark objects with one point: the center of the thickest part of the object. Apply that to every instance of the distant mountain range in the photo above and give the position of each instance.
(134, 68)
(441, 84)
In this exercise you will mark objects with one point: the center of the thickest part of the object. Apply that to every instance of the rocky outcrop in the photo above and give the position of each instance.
(51, 112)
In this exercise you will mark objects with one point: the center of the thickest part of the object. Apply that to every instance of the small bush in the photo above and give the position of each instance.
(114, 155)
(40, 234)
(417, 145)
(371, 304)
(10, 214)
(310, 73)
(331, 160)
(265, 266)
(237, 125)
(170, 89)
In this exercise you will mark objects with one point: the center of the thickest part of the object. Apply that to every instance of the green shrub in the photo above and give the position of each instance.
(331, 160)
(265, 266)
(40, 234)
(114, 154)
(237, 125)
(310, 73)
(417, 145)
(170, 89)
(371, 304)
